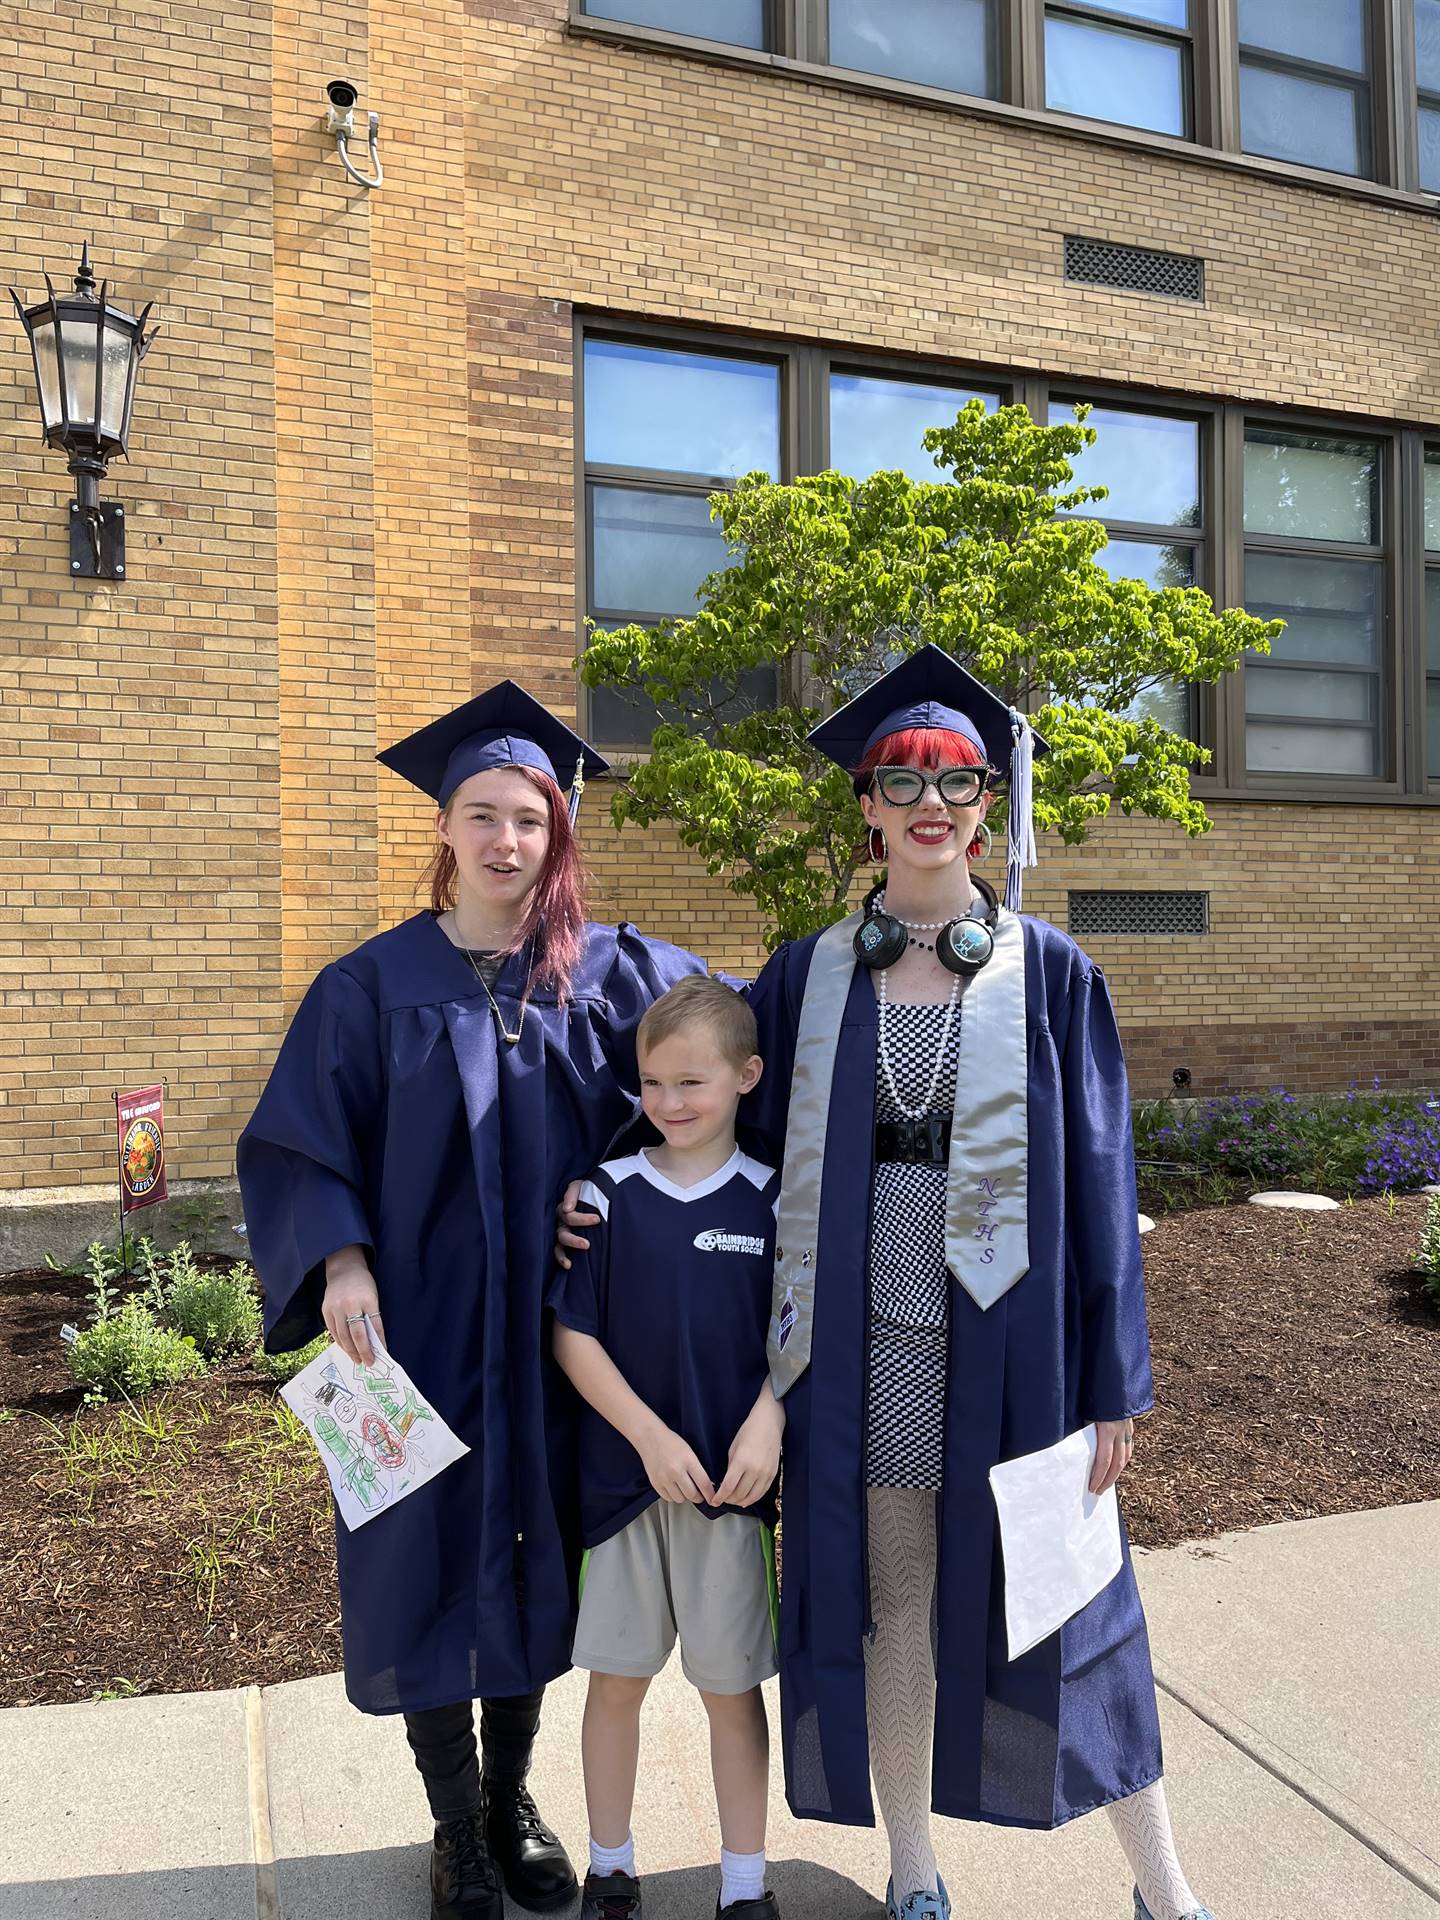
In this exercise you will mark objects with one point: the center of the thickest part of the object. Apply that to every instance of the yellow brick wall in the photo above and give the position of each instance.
(352, 497)
(138, 776)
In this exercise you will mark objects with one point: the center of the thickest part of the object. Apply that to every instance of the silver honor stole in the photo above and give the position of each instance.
(987, 1234)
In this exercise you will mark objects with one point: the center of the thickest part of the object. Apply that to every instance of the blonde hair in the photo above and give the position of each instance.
(700, 999)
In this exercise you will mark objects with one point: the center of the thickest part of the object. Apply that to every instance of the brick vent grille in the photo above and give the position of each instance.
(1152, 914)
(1101, 263)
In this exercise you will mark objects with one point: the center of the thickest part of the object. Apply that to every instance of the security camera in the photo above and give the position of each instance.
(342, 95)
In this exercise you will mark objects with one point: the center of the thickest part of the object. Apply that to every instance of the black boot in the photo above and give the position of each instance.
(534, 1866)
(463, 1882)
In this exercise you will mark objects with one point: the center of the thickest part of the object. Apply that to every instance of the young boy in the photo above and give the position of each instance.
(661, 1325)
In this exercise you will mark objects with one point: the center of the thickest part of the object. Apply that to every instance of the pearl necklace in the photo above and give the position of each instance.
(916, 1113)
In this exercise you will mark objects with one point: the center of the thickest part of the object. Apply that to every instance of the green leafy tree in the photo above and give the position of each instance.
(833, 580)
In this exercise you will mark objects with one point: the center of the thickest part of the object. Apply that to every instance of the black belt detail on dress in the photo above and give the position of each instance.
(924, 1143)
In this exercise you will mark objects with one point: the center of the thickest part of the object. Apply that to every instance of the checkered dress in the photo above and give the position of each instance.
(909, 1285)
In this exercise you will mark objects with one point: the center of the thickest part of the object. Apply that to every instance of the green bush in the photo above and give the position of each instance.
(1428, 1258)
(218, 1311)
(281, 1367)
(128, 1353)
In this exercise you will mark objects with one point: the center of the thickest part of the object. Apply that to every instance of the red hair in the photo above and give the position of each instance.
(555, 917)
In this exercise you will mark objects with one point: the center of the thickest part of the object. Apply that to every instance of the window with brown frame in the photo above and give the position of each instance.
(1126, 61)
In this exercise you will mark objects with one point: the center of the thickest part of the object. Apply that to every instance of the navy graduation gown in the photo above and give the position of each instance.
(396, 1119)
(1073, 1723)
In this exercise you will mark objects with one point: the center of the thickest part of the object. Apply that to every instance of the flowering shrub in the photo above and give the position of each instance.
(1356, 1142)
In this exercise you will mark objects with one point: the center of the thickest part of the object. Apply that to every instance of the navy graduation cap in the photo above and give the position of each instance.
(502, 727)
(929, 689)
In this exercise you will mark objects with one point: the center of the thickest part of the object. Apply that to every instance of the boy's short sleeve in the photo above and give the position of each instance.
(574, 1295)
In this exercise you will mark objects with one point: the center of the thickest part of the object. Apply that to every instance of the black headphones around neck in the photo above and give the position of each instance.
(962, 945)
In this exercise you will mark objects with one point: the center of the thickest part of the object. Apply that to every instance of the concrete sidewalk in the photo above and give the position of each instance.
(1299, 1695)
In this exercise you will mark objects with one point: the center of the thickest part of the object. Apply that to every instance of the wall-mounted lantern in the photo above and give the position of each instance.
(87, 353)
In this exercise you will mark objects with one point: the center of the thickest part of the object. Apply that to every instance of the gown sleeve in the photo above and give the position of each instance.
(1102, 1226)
(574, 1296)
(302, 1159)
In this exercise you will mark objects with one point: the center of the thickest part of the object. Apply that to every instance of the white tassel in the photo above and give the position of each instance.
(1020, 836)
(577, 788)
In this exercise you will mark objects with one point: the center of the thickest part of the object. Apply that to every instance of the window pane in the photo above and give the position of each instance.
(1165, 13)
(1432, 622)
(1271, 748)
(1427, 45)
(650, 550)
(1150, 464)
(940, 43)
(1432, 499)
(739, 22)
(1432, 728)
(1106, 73)
(876, 424)
(1311, 696)
(1330, 31)
(1333, 608)
(1311, 122)
(1312, 487)
(623, 717)
(1158, 566)
(1335, 614)
(1430, 149)
(680, 412)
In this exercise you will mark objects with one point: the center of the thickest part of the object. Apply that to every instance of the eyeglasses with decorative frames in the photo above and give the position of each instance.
(956, 786)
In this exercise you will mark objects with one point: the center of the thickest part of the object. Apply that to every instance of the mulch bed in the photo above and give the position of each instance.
(1297, 1373)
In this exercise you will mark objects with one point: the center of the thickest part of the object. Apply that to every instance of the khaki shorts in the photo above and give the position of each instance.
(673, 1573)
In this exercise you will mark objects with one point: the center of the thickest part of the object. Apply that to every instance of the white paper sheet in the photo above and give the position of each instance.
(379, 1437)
(1061, 1543)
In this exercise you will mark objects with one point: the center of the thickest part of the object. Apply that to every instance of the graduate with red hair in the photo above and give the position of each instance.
(435, 1091)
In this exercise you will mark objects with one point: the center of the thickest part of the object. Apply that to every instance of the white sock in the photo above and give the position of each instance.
(742, 1876)
(900, 1679)
(605, 1860)
(1142, 1824)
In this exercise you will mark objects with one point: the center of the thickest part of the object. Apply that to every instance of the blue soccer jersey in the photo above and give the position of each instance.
(676, 1287)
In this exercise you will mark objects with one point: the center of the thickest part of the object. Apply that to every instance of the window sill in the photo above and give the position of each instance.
(1164, 146)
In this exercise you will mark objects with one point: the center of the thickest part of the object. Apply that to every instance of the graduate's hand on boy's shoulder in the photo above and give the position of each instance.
(754, 1453)
(568, 1217)
(673, 1467)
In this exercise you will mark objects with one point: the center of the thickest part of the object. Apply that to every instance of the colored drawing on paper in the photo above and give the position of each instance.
(369, 1422)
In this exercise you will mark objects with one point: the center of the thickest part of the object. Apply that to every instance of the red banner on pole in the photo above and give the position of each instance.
(140, 1121)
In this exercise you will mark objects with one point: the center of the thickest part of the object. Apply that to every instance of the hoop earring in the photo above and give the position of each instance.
(979, 847)
(878, 859)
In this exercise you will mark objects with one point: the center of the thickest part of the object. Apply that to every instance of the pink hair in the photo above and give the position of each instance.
(555, 918)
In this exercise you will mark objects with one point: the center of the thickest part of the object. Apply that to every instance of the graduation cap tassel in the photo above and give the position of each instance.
(1020, 836)
(577, 788)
